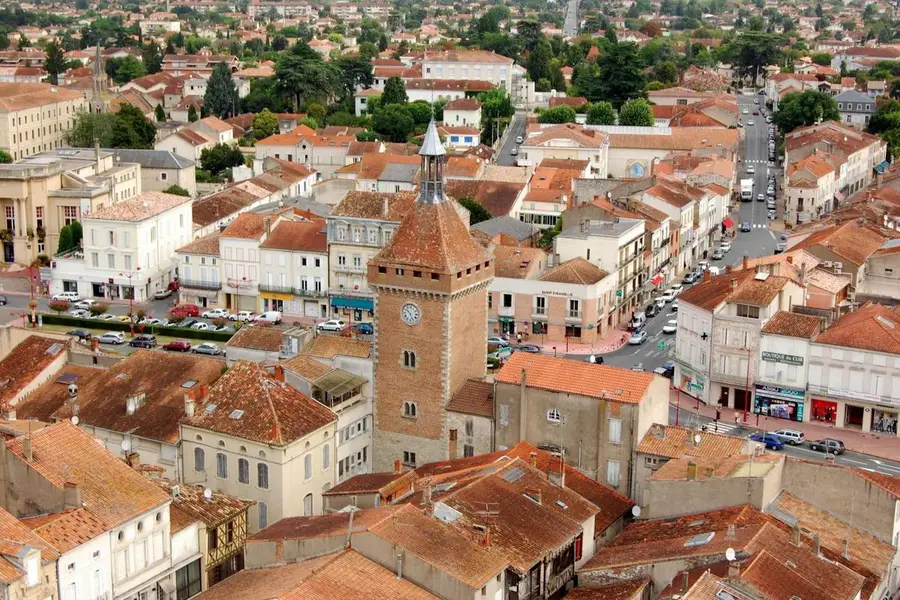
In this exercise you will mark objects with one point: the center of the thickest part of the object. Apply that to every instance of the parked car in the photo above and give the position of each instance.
(827, 445)
(189, 322)
(790, 436)
(186, 310)
(112, 337)
(3, 301)
(651, 311)
(79, 313)
(781, 247)
(674, 306)
(746, 226)
(177, 346)
(143, 341)
(637, 338)
(677, 288)
(718, 254)
(207, 348)
(771, 215)
(270, 317)
(519, 139)
(725, 246)
(201, 326)
(86, 304)
(496, 339)
(668, 296)
(671, 326)
(68, 296)
(105, 317)
(81, 334)
(216, 313)
(690, 278)
(771, 442)
(331, 325)
(530, 348)
(667, 370)
(514, 152)
(227, 328)
(162, 294)
(364, 329)
(241, 315)
(660, 302)
(123, 319)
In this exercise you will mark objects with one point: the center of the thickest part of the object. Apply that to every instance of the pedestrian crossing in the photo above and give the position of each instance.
(720, 427)
(755, 161)
(760, 226)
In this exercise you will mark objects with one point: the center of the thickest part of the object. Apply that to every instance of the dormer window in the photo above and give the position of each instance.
(33, 570)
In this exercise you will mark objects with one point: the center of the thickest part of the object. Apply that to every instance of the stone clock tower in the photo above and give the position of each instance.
(430, 286)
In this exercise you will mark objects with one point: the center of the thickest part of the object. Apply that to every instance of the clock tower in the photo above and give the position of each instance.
(430, 283)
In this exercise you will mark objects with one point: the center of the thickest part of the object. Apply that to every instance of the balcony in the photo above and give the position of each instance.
(196, 284)
(349, 291)
(279, 289)
(360, 270)
(310, 293)
(573, 315)
(506, 311)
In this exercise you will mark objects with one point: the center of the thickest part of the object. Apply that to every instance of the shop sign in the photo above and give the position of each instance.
(854, 395)
(555, 293)
(788, 359)
(779, 392)
(691, 381)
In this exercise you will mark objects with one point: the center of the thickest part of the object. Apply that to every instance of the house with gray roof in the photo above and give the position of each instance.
(514, 228)
(855, 108)
(160, 169)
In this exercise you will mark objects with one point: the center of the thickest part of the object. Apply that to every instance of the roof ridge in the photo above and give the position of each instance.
(277, 424)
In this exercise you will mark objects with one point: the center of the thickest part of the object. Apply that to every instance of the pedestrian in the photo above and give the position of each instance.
(879, 424)
(518, 338)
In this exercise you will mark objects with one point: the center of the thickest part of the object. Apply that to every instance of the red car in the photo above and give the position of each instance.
(186, 310)
(177, 346)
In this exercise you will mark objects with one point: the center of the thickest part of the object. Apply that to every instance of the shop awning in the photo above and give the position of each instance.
(357, 303)
(728, 222)
(657, 280)
(839, 196)
(880, 168)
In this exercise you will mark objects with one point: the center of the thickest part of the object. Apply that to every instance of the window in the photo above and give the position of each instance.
(615, 431)
(342, 260)
(199, 460)
(263, 509)
(612, 472)
(470, 427)
(308, 505)
(307, 466)
(128, 262)
(187, 581)
(409, 359)
(468, 450)
(553, 416)
(540, 305)
(507, 300)
(579, 547)
(326, 456)
(39, 217)
(11, 218)
(95, 259)
(745, 310)
(262, 476)
(409, 458)
(221, 465)
(243, 471)
(410, 410)
(111, 261)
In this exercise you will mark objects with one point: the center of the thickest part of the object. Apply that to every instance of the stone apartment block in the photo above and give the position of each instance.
(35, 117)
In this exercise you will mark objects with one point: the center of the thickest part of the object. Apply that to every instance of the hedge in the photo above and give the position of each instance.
(116, 325)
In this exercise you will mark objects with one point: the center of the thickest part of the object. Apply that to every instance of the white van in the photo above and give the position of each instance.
(713, 271)
(270, 316)
(68, 296)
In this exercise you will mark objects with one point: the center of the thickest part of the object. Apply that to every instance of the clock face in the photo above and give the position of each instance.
(410, 314)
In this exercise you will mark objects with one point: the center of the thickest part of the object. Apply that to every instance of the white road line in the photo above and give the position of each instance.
(897, 469)
(772, 234)
(855, 462)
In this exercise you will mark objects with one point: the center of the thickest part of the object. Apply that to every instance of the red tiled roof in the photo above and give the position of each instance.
(791, 324)
(297, 236)
(474, 398)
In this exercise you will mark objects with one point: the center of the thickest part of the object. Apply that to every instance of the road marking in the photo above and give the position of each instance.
(772, 234)
(648, 353)
(855, 462)
(897, 469)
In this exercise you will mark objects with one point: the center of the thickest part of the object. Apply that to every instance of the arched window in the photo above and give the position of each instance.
(308, 505)
(410, 410)
(409, 359)
(199, 460)
(636, 170)
(262, 476)
(243, 471)
(222, 465)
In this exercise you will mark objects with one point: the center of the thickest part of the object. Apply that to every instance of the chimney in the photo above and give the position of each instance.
(692, 471)
(399, 565)
(746, 263)
(278, 373)
(707, 275)
(486, 537)
(734, 569)
(267, 223)
(385, 207)
(728, 268)
(795, 535)
(731, 532)
(397, 466)
(816, 544)
(733, 283)
(133, 459)
(189, 404)
(426, 495)
(26, 449)
(685, 581)
(789, 259)
(534, 494)
(71, 495)
(802, 274)
(533, 455)
(97, 155)
(846, 552)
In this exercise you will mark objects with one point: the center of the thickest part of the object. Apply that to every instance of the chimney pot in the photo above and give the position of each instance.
(533, 454)
(795, 535)
(734, 569)
(734, 283)
(816, 544)
(746, 262)
(71, 495)
(486, 540)
(26, 449)
(189, 405)
(397, 466)
(278, 373)
(692, 471)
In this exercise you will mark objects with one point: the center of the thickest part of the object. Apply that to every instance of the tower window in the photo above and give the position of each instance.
(399, 272)
(382, 270)
(410, 410)
(435, 276)
(409, 359)
(417, 273)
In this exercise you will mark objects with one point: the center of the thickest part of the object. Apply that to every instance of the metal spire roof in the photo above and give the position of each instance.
(432, 145)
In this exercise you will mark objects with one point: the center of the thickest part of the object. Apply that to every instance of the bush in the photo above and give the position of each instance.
(59, 306)
(98, 308)
(177, 190)
(114, 325)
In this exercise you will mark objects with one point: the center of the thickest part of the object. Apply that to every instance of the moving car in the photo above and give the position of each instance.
(745, 112)
(751, 170)
(3, 301)
(364, 328)
(86, 304)
(771, 442)
(637, 338)
(496, 339)
(750, 122)
(68, 296)
(514, 152)
(177, 346)
(760, 197)
(671, 326)
(790, 436)
(207, 348)
(112, 337)
(162, 294)
(651, 311)
(498, 351)
(331, 325)
(828, 445)
(81, 334)
(718, 254)
(105, 317)
(519, 139)
(216, 313)
(189, 322)
(746, 226)
(143, 341)
(690, 278)
(779, 248)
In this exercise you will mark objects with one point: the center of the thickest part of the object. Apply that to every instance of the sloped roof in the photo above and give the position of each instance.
(24, 363)
(674, 442)
(297, 236)
(871, 327)
(371, 205)
(475, 397)
(791, 324)
(577, 270)
(145, 206)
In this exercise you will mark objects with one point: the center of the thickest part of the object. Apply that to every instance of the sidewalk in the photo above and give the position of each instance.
(615, 339)
(875, 444)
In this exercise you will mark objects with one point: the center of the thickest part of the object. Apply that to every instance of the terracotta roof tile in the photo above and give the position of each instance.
(872, 327)
(52, 394)
(563, 375)
(371, 205)
(145, 206)
(268, 411)
(330, 346)
(584, 138)
(220, 507)
(31, 357)
(578, 271)
(14, 537)
(112, 491)
(757, 292)
(852, 241)
(674, 442)
(692, 138)
(516, 262)
(708, 295)
(791, 324)
(247, 226)
(305, 366)
(16, 96)
(322, 526)
(271, 583)
(463, 104)
(205, 245)
(366, 483)
(256, 337)
(68, 529)
(776, 579)
(474, 398)
(622, 590)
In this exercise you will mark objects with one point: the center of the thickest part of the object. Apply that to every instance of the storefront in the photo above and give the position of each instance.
(824, 411)
(275, 300)
(884, 420)
(779, 403)
(356, 310)
(691, 382)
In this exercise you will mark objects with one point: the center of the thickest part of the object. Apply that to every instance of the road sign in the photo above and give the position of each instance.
(619, 293)
(661, 346)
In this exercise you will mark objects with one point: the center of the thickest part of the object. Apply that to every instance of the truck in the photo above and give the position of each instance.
(747, 190)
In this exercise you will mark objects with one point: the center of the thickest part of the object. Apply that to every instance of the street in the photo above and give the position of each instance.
(570, 27)
(516, 128)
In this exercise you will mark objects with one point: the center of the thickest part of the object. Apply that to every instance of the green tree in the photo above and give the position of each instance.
(316, 111)
(636, 112)
(368, 51)
(160, 113)
(221, 157)
(127, 69)
(133, 120)
(666, 72)
(77, 233)
(177, 190)
(601, 113)
(65, 240)
(128, 128)
(805, 108)
(356, 72)
(530, 34)
(152, 57)
(394, 122)
(496, 110)
(557, 114)
(477, 213)
(221, 97)
(192, 114)
(752, 51)
(5, 157)
(621, 74)
(309, 122)
(394, 92)
(55, 62)
(303, 74)
(895, 89)
(538, 63)
(265, 123)
(822, 58)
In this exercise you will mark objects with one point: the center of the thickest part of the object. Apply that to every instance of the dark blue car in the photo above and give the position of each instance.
(364, 328)
(771, 442)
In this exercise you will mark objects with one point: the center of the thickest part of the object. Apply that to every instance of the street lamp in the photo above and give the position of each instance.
(131, 297)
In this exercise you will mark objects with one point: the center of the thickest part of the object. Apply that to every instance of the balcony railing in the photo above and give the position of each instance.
(539, 311)
(573, 314)
(349, 269)
(281, 289)
(196, 284)
(506, 311)
(349, 291)
(310, 293)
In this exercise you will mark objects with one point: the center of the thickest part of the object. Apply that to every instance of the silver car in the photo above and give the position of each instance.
(207, 348)
(637, 338)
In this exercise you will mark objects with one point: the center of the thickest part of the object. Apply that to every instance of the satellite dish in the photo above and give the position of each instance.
(635, 511)
(207, 493)
(126, 445)
(698, 438)
(729, 554)
(593, 359)
(75, 420)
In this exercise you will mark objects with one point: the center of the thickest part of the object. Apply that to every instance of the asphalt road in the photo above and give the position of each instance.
(570, 27)
(516, 129)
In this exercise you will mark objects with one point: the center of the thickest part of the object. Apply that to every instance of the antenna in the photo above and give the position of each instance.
(75, 420)
(730, 554)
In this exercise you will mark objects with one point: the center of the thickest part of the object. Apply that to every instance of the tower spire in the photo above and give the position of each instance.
(431, 187)
(97, 82)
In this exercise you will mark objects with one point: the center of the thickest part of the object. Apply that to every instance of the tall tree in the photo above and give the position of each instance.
(221, 97)
(538, 64)
(152, 57)
(477, 213)
(356, 72)
(55, 62)
(601, 113)
(621, 74)
(636, 112)
(303, 74)
(192, 114)
(394, 92)
(805, 108)
(394, 122)
(530, 34)
(160, 113)
(557, 114)
(265, 123)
